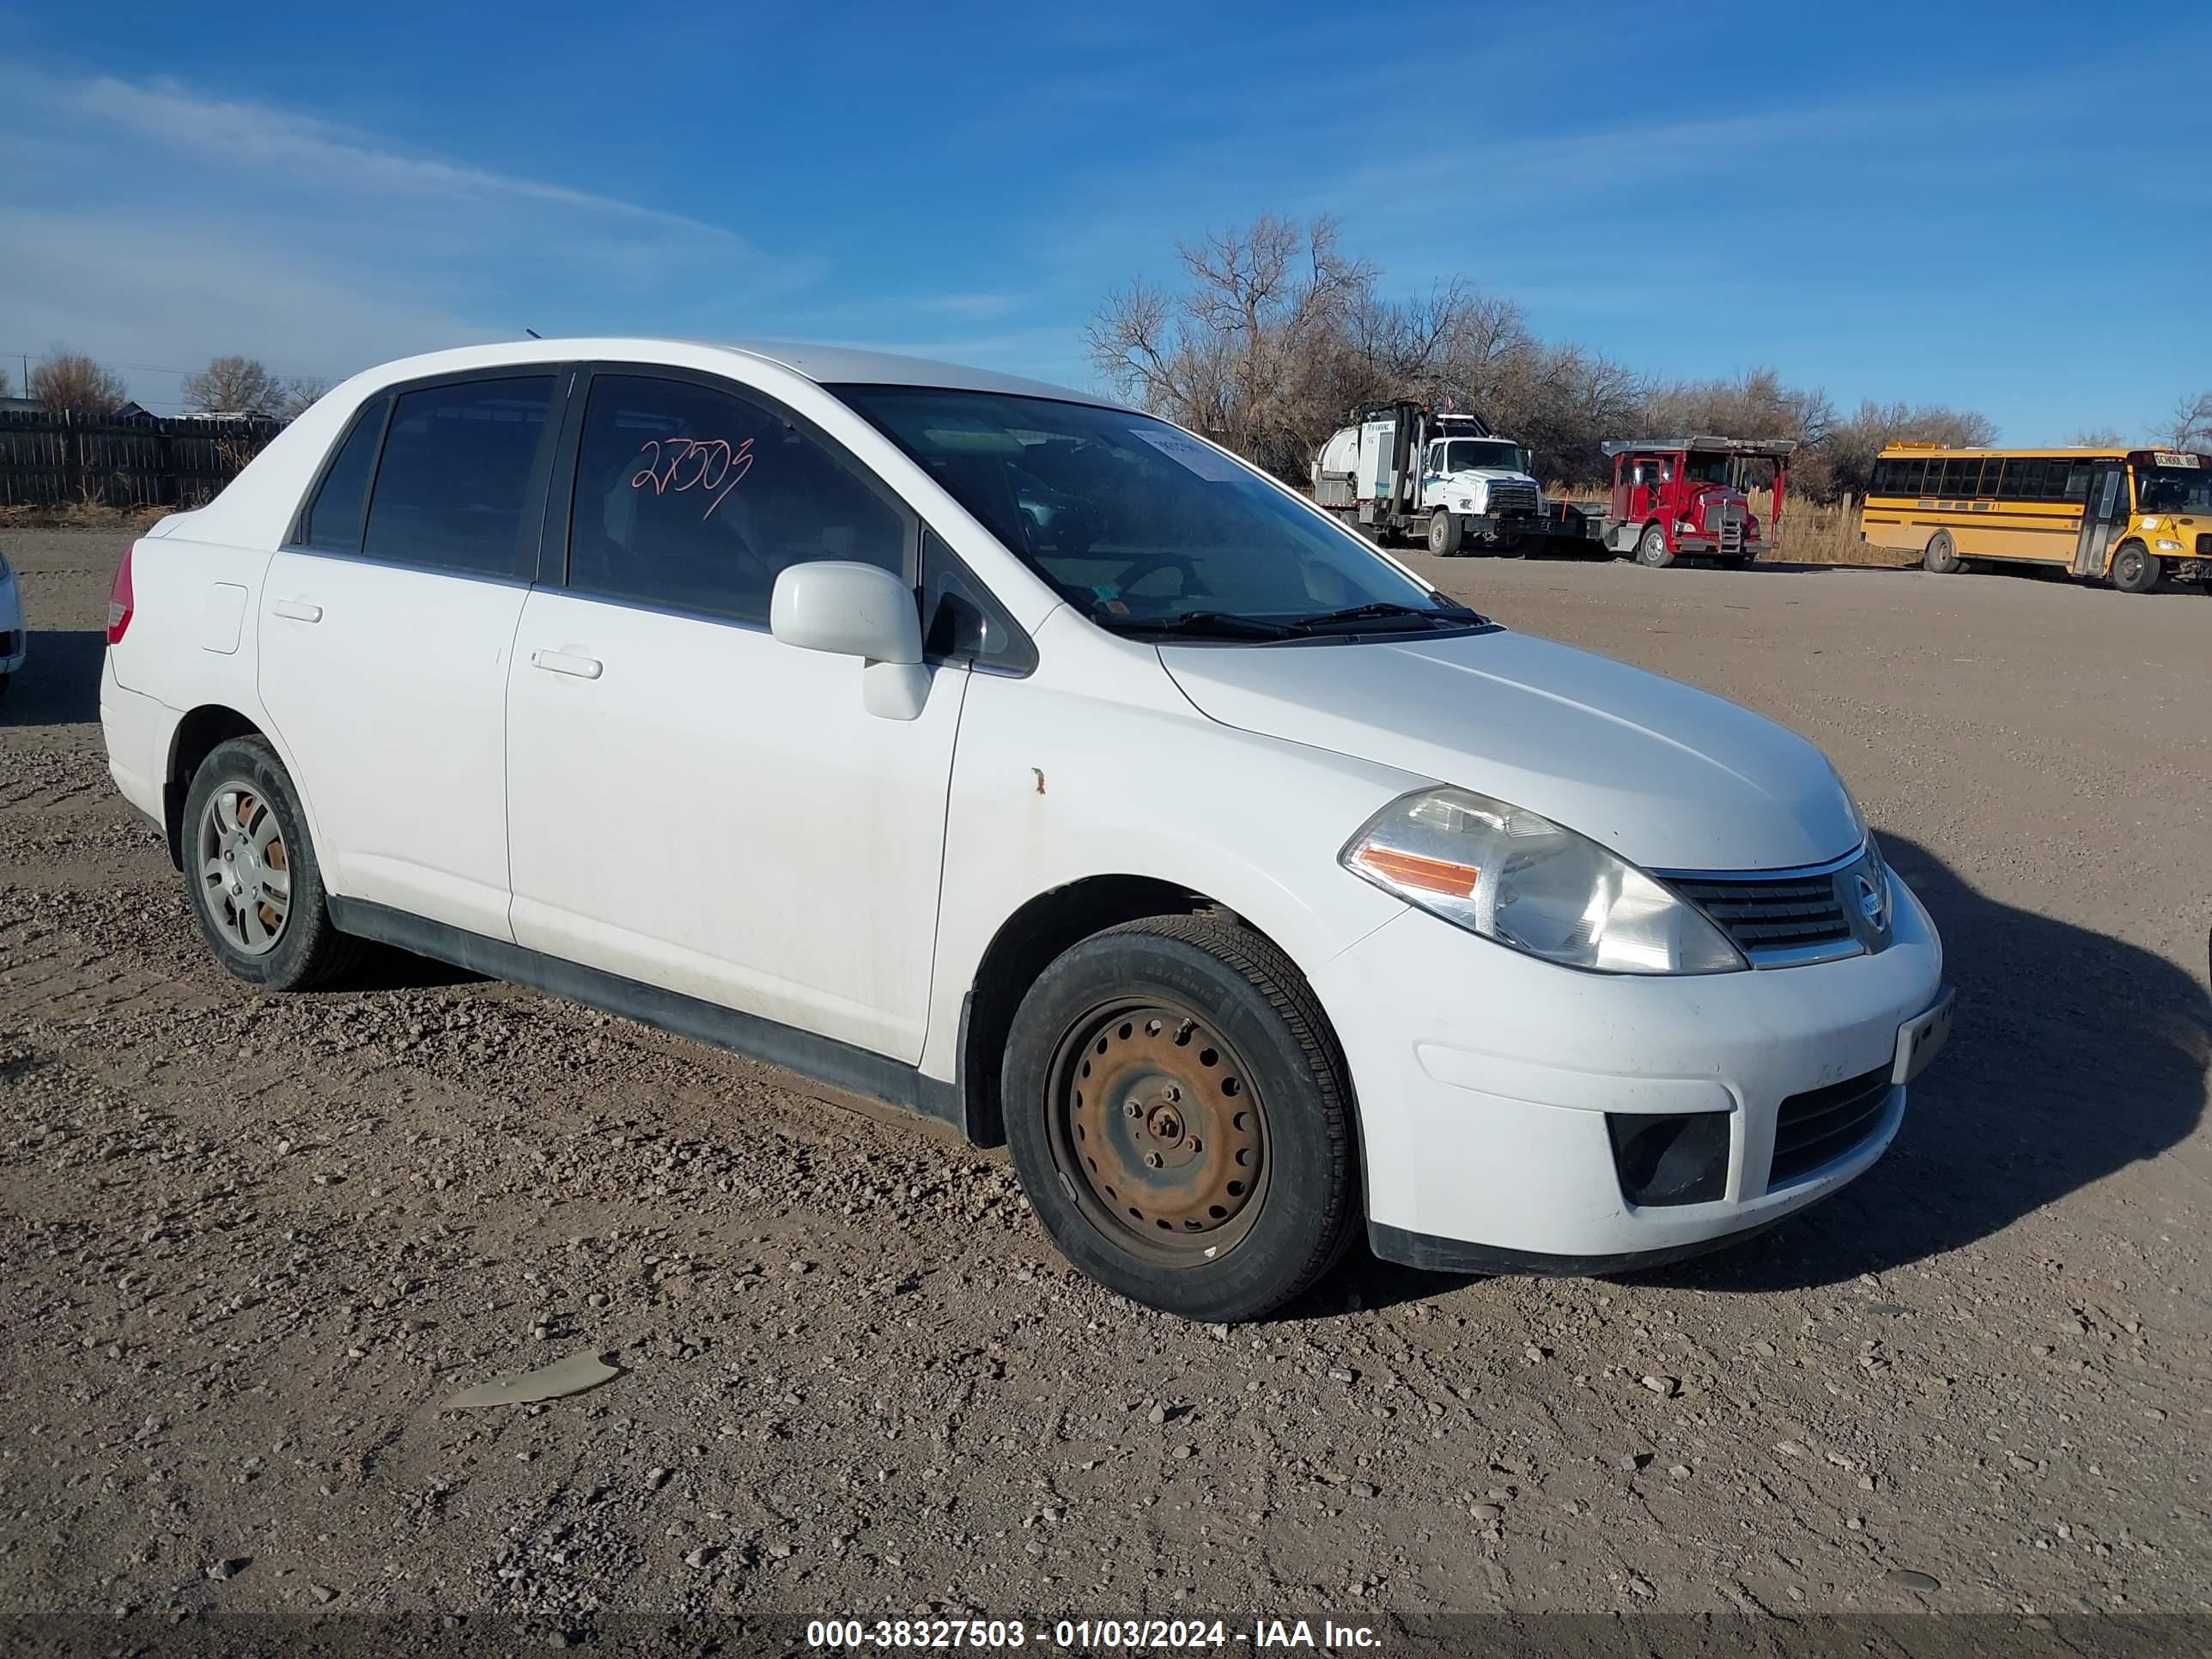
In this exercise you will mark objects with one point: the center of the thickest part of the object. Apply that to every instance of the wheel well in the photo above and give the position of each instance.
(1024, 945)
(198, 734)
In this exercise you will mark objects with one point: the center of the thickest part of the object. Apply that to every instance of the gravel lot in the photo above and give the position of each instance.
(251, 1244)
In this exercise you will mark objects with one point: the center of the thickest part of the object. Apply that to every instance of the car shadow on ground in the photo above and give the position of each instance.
(58, 683)
(2073, 1055)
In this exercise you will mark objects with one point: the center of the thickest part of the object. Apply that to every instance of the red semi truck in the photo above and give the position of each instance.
(1672, 496)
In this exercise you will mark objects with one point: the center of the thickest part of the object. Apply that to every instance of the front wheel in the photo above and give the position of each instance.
(1179, 1113)
(1652, 549)
(1444, 534)
(2135, 569)
(252, 874)
(1942, 555)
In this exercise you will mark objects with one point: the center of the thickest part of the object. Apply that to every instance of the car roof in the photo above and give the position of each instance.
(824, 365)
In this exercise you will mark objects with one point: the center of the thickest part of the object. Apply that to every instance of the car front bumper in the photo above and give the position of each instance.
(1486, 1080)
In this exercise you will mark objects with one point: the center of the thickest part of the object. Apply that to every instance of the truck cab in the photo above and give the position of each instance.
(1677, 496)
(1404, 469)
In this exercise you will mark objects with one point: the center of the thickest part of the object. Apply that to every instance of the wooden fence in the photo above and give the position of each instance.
(49, 460)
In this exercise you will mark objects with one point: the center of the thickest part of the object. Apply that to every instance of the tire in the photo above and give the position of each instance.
(243, 827)
(1652, 548)
(1207, 1168)
(1942, 555)
(1445, 535)
(2135, 569)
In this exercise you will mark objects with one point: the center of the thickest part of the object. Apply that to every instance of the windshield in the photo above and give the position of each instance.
(2173, 490)
(1465, 454)
(1141, 527)
(1706, 469)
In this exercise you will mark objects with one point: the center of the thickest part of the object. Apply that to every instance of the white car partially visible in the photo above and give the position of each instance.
(14, 643)
(1027, 760)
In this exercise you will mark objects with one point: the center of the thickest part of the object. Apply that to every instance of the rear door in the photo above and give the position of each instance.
(695, 805)
(385, 627)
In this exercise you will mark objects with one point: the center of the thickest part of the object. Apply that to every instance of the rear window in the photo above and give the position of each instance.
(460, 480)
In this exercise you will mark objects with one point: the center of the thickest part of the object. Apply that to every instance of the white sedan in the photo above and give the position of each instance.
(987, 748)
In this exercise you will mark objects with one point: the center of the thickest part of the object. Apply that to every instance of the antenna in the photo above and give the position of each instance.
(533, 333)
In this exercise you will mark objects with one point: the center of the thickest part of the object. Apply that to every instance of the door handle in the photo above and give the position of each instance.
(565, 662)
(297, 610)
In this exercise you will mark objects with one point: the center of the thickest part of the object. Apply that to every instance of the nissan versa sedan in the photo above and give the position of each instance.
(986, 748)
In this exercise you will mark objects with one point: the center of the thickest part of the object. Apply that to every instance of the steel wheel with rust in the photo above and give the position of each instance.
(1176, 1107)
(251, 872)
(1156, 1125)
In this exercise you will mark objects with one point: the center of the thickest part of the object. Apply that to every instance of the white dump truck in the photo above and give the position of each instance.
(1403, 468)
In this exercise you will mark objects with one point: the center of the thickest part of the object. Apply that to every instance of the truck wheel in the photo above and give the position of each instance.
(252, 874)
(1445, 535)
(1942, 555)
(2135, 569)
(1179, 1114)
(1652, 548)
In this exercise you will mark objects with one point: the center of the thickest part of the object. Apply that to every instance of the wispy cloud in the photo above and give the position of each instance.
(314, 246)
(264, 137)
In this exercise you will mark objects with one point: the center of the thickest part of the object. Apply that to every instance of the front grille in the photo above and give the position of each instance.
(1770, 917)
(1821, 1125)
(2204, 547)
(1513, 498)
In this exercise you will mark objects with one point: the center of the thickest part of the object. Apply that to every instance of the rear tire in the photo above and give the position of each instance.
(1942, 555)
(1445, 534)
(250, 874)
(1180, 1118)
(2135, 569)
(1652, 548)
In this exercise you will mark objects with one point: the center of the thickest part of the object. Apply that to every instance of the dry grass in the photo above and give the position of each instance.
(81, 515)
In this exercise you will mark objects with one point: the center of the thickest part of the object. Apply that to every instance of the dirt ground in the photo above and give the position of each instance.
(248, 1245)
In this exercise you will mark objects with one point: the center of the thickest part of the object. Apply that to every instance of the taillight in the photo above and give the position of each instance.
(119, 600)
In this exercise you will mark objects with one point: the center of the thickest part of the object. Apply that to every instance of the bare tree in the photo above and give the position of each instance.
(234, 385)
(2097, 437)
(1247, 351)
(2190, 426)
(69, 381)
(299, 394)
(3, 383)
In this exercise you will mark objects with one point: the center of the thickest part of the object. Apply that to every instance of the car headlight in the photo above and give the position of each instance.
(2165, 546)
(1504, 872)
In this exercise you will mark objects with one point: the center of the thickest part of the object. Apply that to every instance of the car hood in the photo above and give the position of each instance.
(1670, 777)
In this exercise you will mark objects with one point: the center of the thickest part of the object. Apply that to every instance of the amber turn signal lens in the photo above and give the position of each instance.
(1427, 874)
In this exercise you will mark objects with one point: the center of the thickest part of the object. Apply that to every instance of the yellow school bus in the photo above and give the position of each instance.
(2129, 515)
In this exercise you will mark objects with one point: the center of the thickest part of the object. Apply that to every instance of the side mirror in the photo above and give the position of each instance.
(852, 610)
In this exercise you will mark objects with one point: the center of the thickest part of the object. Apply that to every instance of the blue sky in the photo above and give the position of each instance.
(2006, 207)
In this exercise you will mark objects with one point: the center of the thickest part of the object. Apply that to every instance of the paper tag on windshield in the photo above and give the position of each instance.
(1194, 456)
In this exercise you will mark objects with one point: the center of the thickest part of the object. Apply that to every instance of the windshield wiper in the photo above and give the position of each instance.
(1382, 607)
(1222, 624)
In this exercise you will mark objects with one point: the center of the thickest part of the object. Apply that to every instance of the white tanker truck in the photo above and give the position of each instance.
(1403, 468)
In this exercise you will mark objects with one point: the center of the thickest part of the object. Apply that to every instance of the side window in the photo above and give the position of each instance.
(457, 486)
(1884, 477)
(332, 520)
(696, 499)
(1992, 477)
(2077, 481)
(1907, 477)
(959, 617)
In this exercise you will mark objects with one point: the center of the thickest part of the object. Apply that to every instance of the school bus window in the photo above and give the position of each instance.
(1993, 478)
(2077, 481)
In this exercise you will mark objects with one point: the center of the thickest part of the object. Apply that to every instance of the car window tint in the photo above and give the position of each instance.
(332, 520)
(696, 499)
(960, 620)
(453, 488)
